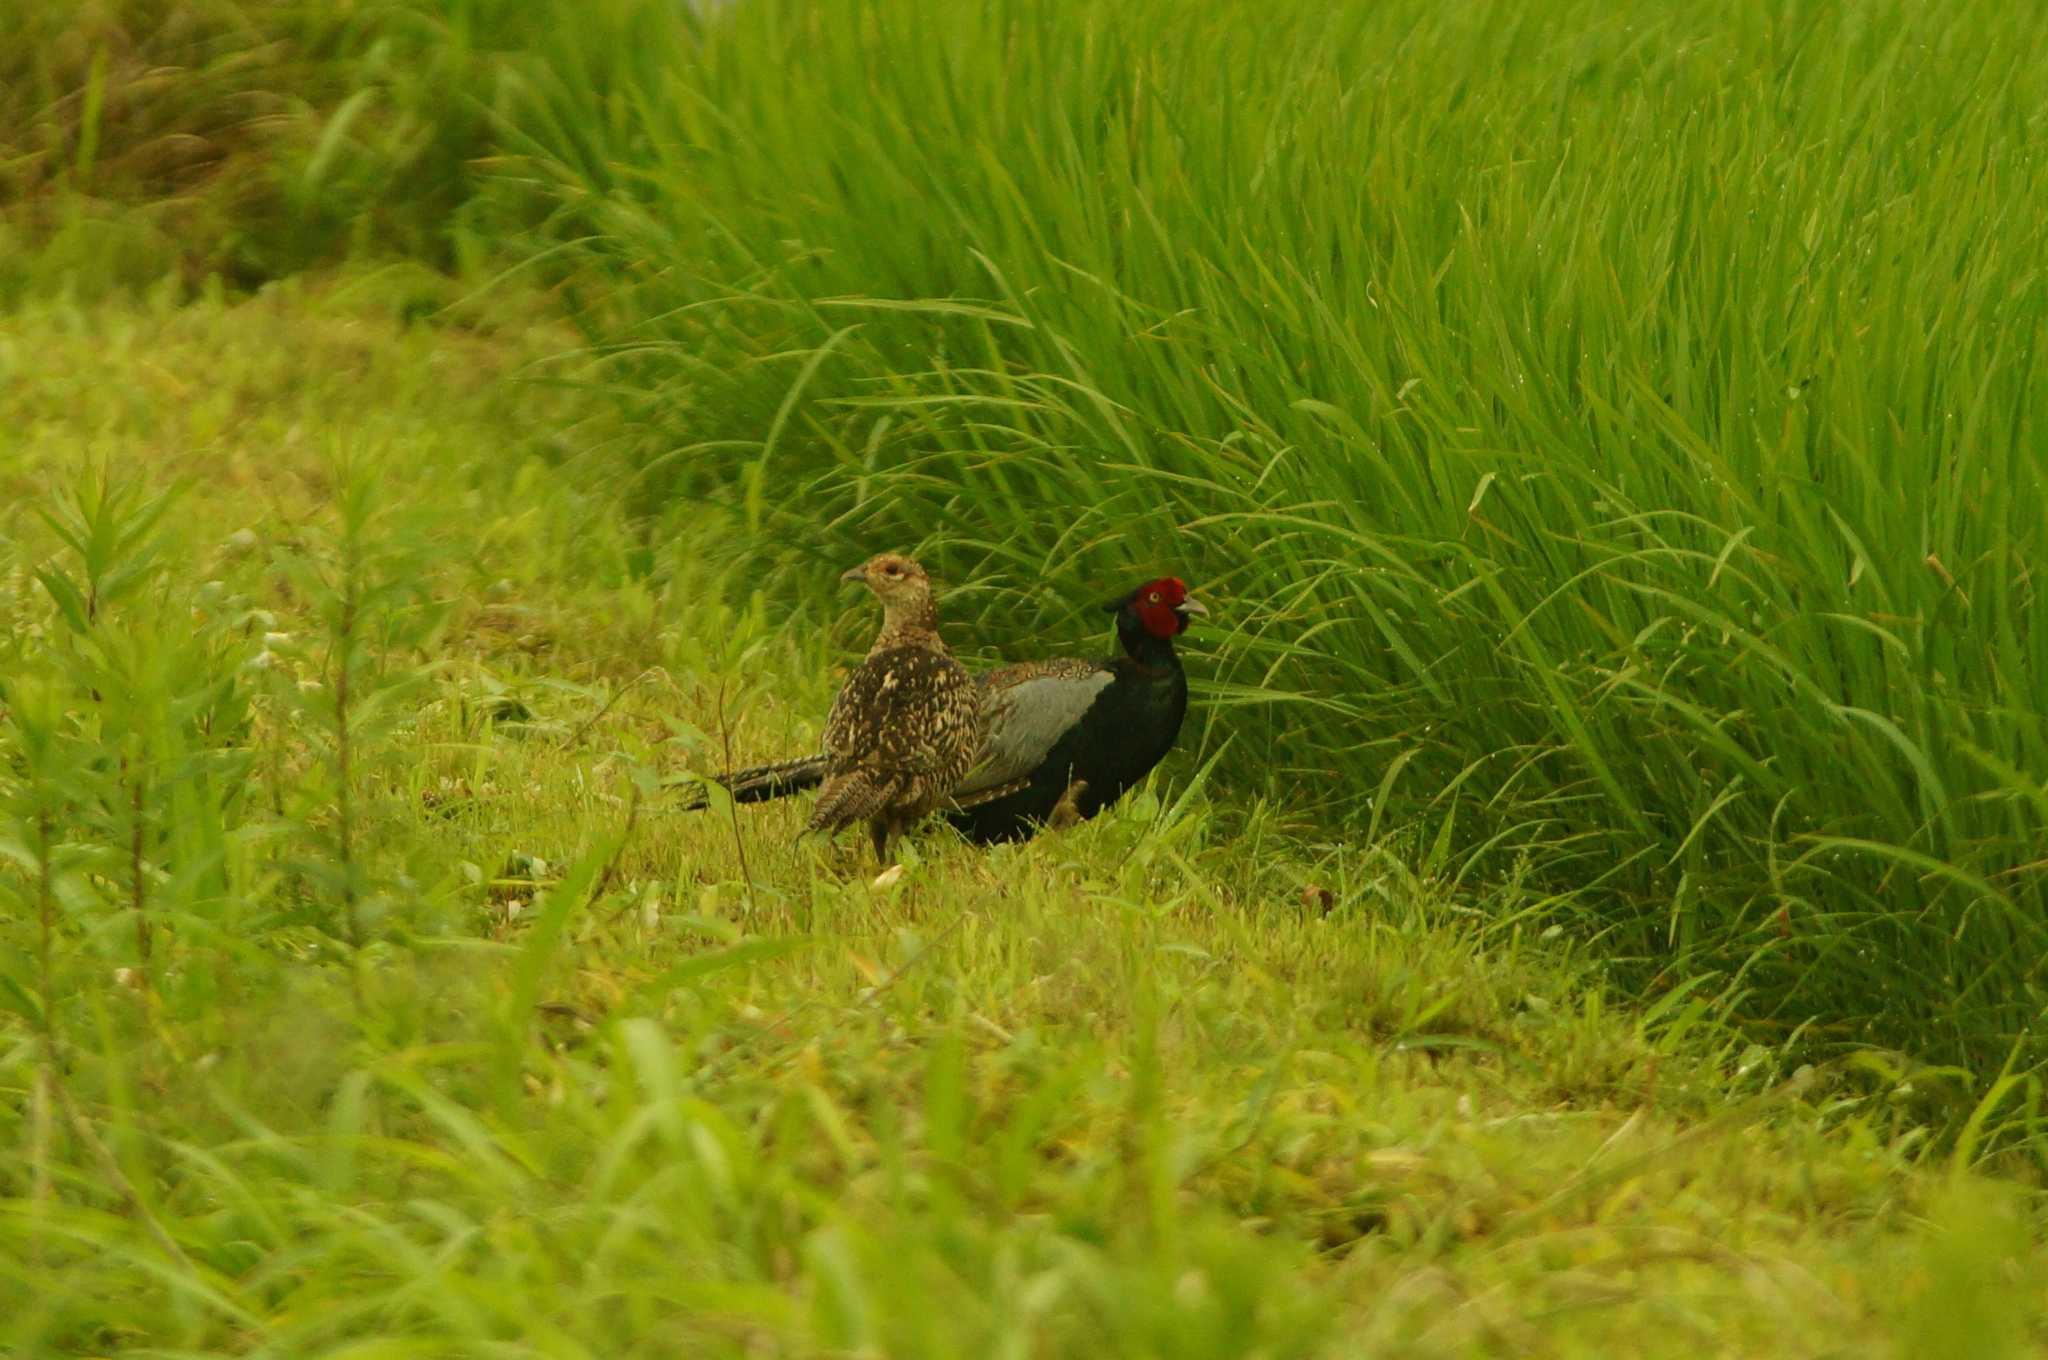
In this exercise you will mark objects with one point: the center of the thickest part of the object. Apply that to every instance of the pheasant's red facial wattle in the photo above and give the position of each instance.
(1157, 605)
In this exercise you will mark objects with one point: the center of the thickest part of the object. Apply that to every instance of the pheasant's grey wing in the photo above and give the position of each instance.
(1026, 718)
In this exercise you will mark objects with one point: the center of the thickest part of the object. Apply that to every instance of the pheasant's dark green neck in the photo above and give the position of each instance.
(1153, 653)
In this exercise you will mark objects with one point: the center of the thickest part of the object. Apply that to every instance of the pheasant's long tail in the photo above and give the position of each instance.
(961, 802)
(854, 796)
(762, 782)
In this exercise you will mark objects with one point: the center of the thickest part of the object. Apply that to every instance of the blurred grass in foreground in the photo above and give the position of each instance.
(250, 139)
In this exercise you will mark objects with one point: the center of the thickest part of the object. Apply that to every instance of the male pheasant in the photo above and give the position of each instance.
(1069, 737)
(906, 724)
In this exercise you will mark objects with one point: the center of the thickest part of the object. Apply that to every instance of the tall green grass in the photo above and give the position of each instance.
(1613, 430)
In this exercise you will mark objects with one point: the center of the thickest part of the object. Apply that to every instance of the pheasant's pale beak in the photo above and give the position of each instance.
(1191, 605)
(859, 573)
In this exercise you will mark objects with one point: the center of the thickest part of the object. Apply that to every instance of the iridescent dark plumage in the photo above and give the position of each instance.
(1104, 722)
(1079, 734)
(906, 724)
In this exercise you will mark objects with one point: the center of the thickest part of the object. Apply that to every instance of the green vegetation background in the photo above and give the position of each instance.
(1610, 433)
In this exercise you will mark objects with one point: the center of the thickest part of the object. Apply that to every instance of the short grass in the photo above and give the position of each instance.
(1615, 430)
(363, 997)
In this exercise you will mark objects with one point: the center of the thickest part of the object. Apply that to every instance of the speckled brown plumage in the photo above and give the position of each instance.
(906, 724)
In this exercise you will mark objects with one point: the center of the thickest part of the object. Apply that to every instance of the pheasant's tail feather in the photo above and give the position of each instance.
(851, 797)
(961, 802)
(763, 782)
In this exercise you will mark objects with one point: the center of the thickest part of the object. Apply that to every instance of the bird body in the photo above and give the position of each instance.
(1079, 734)
(1063, 738)
(905, 727)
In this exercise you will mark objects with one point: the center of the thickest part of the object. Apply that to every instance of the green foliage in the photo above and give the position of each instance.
(1613, 431)
(1183, 1081)
(158, 717)
(254, 138)
(1609, 431)
(1970, 1264)
(344, 685)
(110, 531)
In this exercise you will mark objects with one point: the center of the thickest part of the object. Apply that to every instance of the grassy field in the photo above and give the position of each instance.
(1616, 428)
(392, 1022)
(1596, 908)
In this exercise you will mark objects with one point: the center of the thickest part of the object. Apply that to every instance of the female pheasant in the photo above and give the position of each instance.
(905, 726)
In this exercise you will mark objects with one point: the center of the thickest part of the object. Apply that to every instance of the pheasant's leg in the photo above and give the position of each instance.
(1067, 811)
(879, 829)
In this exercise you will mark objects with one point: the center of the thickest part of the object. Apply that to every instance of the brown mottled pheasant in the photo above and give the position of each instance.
(906, 724)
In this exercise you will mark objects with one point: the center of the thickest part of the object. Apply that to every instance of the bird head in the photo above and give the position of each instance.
(898, 582)
(1162, 607)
